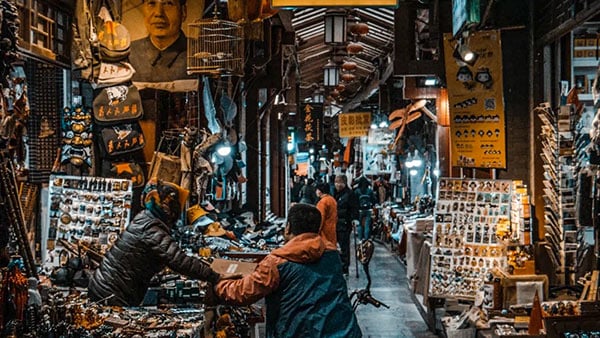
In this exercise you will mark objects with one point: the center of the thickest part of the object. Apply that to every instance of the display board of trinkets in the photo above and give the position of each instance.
(465, 242)
(94, 210)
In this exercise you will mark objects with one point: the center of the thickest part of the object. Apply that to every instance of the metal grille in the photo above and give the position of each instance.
(45, 88)
(215, 47)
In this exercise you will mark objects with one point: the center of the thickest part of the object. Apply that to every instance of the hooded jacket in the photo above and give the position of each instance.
(329, 217)
(144, 249)
(306, 294)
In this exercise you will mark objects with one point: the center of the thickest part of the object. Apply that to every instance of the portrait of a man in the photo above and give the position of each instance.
(159, 47)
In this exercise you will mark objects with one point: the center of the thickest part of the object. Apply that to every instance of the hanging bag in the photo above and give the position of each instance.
(117, 105)
(122, 139)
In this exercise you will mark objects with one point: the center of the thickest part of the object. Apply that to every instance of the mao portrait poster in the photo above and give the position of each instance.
(159, 43)
(476, 100)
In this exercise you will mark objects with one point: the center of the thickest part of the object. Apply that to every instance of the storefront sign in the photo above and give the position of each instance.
(334, 3)
(354, 124)
(311, 126)
(476, 102)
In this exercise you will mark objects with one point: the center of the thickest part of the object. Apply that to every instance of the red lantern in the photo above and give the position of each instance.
(349, 66)
(348, 77)
(354, 48)
(334, 93)
(359, 28)
(340, 87)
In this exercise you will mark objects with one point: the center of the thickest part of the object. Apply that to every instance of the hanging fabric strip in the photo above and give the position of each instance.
(209, 107)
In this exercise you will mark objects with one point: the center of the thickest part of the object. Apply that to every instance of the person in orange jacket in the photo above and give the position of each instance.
(327, 205)
(302, 282)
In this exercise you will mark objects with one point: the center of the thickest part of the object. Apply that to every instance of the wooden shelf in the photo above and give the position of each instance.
(585, 62)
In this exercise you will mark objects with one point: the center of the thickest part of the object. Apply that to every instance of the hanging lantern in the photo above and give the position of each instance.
(354, 48)
(360, 29)
(318, 97)
(349, 66)
(335, 27)
(442, 106)
(348, 77)
(335, 94)
(331, 74)
(340, 87)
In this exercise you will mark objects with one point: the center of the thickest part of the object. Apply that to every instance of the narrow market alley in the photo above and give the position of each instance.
(389, 285)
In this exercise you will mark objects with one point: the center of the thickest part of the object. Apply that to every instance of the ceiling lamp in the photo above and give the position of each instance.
(354, 48)
(348, 77)
(349, 66)
(331, 74)
(359, 28)
(335, 27)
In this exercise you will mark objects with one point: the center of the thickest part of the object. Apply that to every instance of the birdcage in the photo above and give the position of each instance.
(215, 47)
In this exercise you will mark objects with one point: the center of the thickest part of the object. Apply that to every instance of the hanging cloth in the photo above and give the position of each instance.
(209, 107)
(229, 108)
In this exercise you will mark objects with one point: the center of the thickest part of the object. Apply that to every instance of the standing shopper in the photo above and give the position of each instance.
(347, 211)
(306, 294)
(328, 208)
(366, 201)
(307, 193)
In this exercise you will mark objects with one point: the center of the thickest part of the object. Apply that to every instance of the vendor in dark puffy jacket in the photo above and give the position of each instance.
(306, 294)
(145, 248)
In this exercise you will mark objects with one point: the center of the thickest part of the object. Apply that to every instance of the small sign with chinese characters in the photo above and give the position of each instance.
(311, 123)
(354, 124)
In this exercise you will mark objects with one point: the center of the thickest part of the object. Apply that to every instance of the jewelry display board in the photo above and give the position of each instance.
(93, 210)
(465, 244)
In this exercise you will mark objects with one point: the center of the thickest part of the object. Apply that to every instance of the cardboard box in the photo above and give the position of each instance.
(228, 266)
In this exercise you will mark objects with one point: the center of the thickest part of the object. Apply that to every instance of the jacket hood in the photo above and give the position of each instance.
(303, 248)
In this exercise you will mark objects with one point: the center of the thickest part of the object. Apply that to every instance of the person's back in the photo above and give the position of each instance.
(306, 294)
(324, 314)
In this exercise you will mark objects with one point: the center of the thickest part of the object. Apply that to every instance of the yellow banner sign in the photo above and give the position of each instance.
(476, 100)
(334, 3)
(354, 124)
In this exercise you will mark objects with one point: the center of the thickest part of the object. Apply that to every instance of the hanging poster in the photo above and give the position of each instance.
(158, 50)
(376, 159)
(476, 101)
(311, 123)
(354, 124)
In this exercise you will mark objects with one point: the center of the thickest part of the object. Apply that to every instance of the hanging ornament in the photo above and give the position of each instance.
(340, 87)
(348, 77)
(349, 66)
(354, 48)
(359, 28)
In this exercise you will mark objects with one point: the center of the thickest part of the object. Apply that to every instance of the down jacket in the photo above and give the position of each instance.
(306, 294)
(144, 249)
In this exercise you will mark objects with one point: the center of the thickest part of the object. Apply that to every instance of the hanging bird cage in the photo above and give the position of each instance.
(215, 47)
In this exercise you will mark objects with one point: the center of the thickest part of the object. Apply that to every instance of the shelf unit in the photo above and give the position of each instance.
(586, 59)
(559, 185)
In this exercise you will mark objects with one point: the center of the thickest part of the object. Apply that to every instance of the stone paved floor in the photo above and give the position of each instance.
(389, 285)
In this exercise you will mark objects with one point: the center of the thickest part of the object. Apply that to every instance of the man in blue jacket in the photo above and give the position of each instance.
(306, 294)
